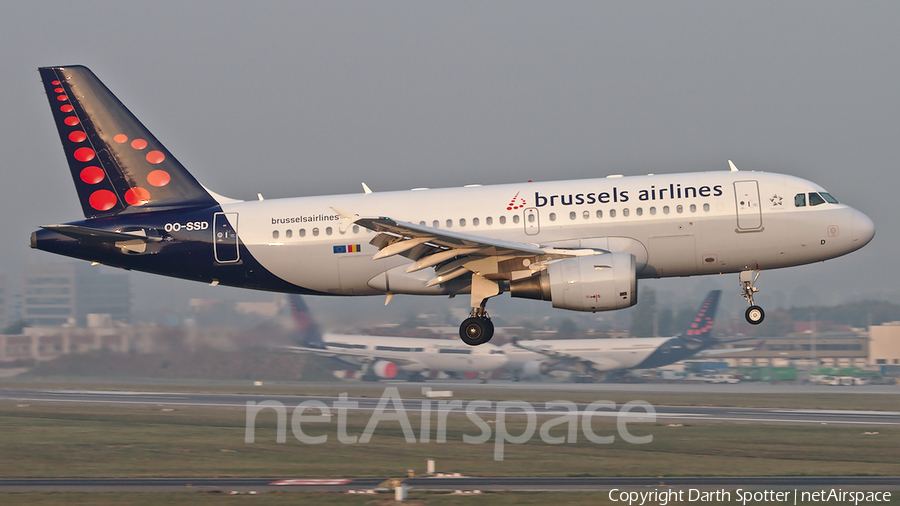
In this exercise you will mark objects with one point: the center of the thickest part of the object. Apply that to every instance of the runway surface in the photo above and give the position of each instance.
(681, 414)
(487, 484)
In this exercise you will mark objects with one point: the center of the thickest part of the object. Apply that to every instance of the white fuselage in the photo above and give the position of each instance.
(674, 225)
(604, 354)
(413, 354)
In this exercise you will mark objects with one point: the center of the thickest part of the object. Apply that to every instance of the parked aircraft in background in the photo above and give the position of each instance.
(593, 358)
(385, 357)
(580, 244)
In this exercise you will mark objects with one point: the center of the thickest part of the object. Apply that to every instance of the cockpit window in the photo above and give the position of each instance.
(800, 200)
(815, 199)
(828, 198)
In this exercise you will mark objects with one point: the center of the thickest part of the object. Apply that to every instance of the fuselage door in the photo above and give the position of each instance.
(749, 212)
(225, 238)
(532, 221)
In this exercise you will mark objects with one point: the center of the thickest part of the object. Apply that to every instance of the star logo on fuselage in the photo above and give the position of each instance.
(776, 200)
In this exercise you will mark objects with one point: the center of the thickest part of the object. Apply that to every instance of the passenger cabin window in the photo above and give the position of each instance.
(800, 200)
(274, 234)
(288, 233)
(475, 222)
(552, 216)
(815, 199)
(436, 224)
(489, 220)
(503, 220)
(515, 218)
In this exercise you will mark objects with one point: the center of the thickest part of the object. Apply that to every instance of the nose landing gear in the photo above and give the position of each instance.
(754, 314)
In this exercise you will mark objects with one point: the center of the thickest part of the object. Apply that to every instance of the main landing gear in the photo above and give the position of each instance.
(754, 314)
(477, 328)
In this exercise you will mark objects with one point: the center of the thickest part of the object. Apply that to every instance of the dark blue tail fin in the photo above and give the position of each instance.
(117, 164)
(701, 328)
(307, 332)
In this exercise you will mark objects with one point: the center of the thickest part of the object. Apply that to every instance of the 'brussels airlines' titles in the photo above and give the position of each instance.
(672, 192)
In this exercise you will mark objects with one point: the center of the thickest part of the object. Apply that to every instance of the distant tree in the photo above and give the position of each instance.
(566, 329)
(777, 324)
(642, 317)
(854, 314)
(16, 327)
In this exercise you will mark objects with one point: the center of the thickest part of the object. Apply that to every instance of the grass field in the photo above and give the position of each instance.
(852, 401)
(54, 440)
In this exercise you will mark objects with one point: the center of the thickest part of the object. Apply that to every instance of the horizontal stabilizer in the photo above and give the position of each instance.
(95, 234)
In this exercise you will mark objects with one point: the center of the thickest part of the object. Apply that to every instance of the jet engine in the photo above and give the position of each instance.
(590, 283)
(384, 369)
(534, 369)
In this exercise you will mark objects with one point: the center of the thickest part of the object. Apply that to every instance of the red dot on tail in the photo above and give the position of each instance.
(58, 90)
(84, 154)
(155, 157)
(54, 83)
(158, 178)
(137, 196)
(71, 120)
(139, 144)
(102, 200)
(121, 138)
(92, 174)
(77, 136)
(62, 98)
(67, 108)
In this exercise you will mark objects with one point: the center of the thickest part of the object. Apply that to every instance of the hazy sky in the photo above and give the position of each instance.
(304, 98)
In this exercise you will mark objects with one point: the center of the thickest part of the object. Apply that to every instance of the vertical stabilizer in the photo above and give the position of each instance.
(116, 163)
(307, 332)
(701, 328)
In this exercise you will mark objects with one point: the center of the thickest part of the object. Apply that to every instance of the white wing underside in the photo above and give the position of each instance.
(361, 356)
(558, 357)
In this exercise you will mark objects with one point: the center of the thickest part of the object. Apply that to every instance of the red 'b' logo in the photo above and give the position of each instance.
(512, 203)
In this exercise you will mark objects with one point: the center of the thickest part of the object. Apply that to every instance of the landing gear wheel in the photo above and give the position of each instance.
(755, 315)
(475, 331)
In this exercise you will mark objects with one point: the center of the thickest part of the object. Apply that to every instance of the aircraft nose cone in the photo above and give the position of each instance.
(863, 229)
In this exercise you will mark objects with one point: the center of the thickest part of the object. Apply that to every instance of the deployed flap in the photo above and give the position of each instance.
(446, 239)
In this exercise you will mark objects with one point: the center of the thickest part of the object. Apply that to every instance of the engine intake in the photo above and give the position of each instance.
(591, 283)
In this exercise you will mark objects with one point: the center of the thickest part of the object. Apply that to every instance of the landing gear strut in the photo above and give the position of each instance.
(477, 328)
(754, 314)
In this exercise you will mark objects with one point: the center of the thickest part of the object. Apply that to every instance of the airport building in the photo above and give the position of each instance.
(66, 293)
(831, 349)
(884, 344)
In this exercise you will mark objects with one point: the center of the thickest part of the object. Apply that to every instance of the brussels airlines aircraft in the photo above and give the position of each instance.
(580, 244)
(595, 357)
(383, 356)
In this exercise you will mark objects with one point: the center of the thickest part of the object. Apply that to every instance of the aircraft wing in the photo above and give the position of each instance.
(723, 351)
(361, 356)
(571, 359)
(433, 247)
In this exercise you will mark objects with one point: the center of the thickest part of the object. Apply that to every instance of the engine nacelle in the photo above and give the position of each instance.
(534, 369)
(384, 369)
(590, 283)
